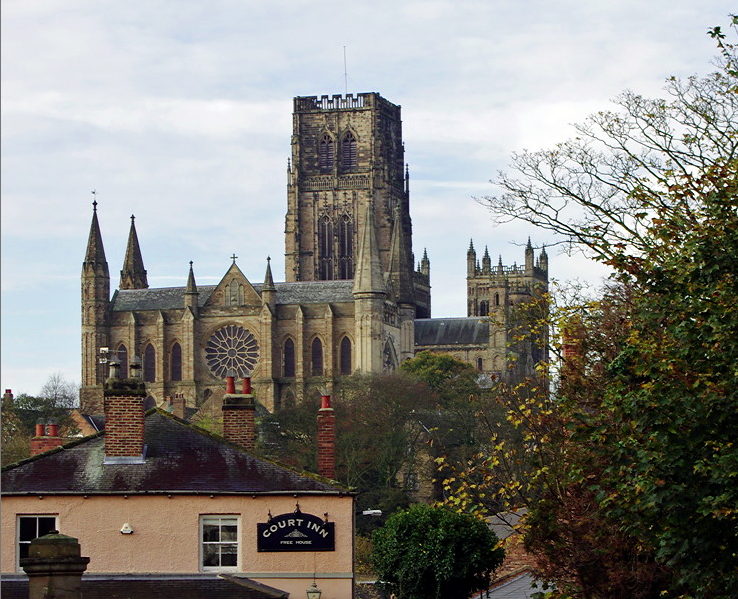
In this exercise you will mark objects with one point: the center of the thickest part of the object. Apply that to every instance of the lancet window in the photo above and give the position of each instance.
(316, 357)
(288, 358)
(345, 356)
(325, 249)
(326, 153)
(346, 248)
(348, 151)
(175, 362)
(149, 365)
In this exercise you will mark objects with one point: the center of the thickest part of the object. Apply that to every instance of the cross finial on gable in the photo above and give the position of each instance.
(94, 200)
(234, 258)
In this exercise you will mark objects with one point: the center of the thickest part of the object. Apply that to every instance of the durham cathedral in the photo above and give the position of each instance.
(353, 300)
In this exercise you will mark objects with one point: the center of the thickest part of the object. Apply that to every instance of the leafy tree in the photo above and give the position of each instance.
(378, 438)
(431, 552)
(630, 456)
(452, 421)
(57, 397)
(449, 378)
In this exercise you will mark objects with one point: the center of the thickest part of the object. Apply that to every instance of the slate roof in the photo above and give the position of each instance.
(156, 586)
(162, 298)
(516, 587)
(314, 292)
(452, 331)
(180, 458)
(172, 298)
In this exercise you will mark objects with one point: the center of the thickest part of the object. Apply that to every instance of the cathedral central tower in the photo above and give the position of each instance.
(347, 152)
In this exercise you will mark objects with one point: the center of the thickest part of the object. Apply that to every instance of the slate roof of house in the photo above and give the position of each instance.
(180, 458)
(156, 586)
(172, 298)
(519, 586)
(452, 331)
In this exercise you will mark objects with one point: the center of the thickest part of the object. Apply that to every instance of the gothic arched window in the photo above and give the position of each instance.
(480, 364)
(123, 359)
(326, 153)
(316, 355)
(325, 249)
(348, 151)
(288, 358)
(346, 248)
(497, 299)
(345, 356)
(483, 308)
(149, 365)
(175, 362)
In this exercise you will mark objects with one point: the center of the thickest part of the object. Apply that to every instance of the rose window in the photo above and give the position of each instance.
(232, 348)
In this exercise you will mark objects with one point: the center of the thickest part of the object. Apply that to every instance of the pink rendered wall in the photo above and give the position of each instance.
(166, 536)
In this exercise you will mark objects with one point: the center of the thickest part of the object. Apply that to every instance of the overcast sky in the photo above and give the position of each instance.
(179, 112)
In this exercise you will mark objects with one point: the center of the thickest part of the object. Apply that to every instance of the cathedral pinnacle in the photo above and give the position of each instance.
(368, 277)
(191, 285)
(399, 268)
(95, 251)
(133, 275)
(268, 279)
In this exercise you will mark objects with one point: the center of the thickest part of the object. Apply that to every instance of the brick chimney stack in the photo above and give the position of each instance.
(8, 398)
(177, 405)
(326, 438)
(239, 412)
(124, 415)
(54, 567)
(46, 437)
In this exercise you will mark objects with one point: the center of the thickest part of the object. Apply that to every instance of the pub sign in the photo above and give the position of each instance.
(295, 532)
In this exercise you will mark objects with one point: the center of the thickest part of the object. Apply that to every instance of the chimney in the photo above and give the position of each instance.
(178, 405)
(124, 415)
(42, 441)
(326, 438)
(54, 567)
(8, 399)
(239, 413)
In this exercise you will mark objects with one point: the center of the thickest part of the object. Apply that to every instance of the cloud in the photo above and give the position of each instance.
(180, 113)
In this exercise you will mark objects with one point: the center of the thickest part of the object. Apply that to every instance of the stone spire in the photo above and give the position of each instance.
(268, 289)
(529, 260)
(543, 260)
(368, 277)
(133, 275)
(471, 260)
(425, 263)
(191, 285)
(268, 279)
(486, 261)
(400, 270)
(191, 293)
(95, 254)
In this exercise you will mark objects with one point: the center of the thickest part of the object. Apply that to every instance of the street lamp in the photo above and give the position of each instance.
(313, 592)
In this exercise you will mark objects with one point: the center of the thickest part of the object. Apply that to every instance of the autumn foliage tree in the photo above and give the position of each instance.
(629, 455)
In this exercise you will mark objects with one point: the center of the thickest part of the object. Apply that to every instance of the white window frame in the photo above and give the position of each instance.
(221, 519)
(19, 541)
